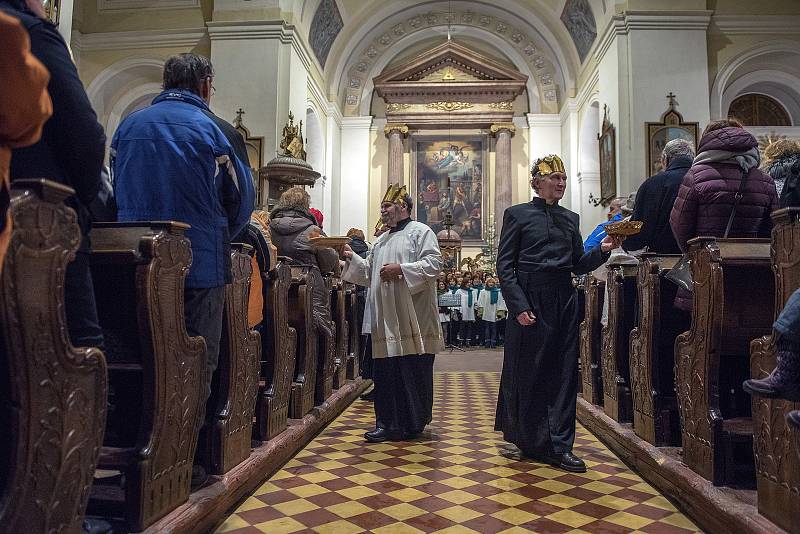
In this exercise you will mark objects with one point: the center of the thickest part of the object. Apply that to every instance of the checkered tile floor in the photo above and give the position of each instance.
(458, 477)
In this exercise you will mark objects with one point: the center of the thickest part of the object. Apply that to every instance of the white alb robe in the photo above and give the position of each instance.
(404, 314)
(467, 310)
(490, 310)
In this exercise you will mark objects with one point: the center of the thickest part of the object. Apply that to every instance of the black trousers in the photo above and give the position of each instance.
(403, 392)
(365, 365)
(203, 308)
(80, 305)
(539, 382)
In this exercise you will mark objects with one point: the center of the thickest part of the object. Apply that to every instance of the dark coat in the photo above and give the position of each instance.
(706, 197)
(72, 146)
(654, 202)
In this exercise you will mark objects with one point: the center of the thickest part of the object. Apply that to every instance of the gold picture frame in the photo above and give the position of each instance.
(607, 144)
(660, 133)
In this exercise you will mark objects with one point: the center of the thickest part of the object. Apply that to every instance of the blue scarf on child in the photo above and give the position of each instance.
(469, 295)
(493, 293)
(453, 289)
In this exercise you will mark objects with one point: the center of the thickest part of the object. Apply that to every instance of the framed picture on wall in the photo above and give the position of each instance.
(608, 162)
(449, 176)
(658, 134)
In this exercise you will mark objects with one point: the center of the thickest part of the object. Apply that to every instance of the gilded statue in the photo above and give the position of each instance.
(292, 139)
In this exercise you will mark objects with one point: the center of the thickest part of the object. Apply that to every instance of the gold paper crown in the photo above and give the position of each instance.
(547, 165)
(396, 194)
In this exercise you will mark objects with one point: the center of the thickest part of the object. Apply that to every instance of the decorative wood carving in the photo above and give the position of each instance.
(339, 314)
(229, 415)
(653, 389)
(53, 395)
(156, 369)
(354, 331)
(777, 464)
(743, 313)
(280, 346)
(301, 318)
(326, 354)
(615, 342)
(590, 341)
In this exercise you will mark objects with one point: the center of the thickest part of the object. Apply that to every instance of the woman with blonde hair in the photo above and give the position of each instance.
(291, 225)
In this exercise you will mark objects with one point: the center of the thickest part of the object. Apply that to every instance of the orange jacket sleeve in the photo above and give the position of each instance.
(24, 102)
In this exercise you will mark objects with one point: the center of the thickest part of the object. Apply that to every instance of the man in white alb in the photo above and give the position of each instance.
(400, 271)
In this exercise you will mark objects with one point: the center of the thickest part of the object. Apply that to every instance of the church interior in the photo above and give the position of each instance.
(455, 100)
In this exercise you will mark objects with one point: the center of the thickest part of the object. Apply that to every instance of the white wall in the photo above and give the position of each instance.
(351, 191)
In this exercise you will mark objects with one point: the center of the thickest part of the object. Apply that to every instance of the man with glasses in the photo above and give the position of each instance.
(176, 160)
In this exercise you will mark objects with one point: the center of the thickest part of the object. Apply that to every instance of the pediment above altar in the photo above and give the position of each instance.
(450, 83)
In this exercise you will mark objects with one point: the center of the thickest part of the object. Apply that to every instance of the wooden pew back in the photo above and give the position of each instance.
(590, 330)
(52, 395)
(733, 303)
(230, 409)
(777, 465)
(655, 415)
(278, 356)
(354, 331)
(621, 285)
(301, 318)
(156, 370)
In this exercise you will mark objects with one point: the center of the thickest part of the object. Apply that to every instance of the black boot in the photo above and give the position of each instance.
(783, 382)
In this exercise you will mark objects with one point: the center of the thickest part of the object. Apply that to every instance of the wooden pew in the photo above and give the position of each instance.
(156, 371)
(339, 315)
(615, 336)
(592, 383)
(777, 465)
(52, 395)
(301, 318)
(652, 353)
(354, 331)
(226, 438)
(326, 353)
(734, 297)
(278, 356)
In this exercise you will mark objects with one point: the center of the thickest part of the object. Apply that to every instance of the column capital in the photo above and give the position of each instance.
(395, 126)
(498, 127)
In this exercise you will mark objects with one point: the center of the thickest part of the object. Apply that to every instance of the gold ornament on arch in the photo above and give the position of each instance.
(449, 106)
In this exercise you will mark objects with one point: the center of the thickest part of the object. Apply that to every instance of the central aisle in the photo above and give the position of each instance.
(458, 477)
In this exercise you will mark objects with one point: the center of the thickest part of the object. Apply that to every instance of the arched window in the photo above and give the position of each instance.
(759, 110)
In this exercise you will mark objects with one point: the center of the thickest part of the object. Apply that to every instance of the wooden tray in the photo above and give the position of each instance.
(329, 241)
(625, 228)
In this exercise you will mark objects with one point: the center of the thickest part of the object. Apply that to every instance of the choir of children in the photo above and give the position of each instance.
(480, 318)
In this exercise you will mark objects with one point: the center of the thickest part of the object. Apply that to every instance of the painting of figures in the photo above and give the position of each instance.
(450, 178)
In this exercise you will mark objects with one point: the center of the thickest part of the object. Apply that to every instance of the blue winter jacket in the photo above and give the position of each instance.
(599, 233)
(170, 161)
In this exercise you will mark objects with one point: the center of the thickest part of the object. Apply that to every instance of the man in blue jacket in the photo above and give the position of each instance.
(599, 233)
(175, 160)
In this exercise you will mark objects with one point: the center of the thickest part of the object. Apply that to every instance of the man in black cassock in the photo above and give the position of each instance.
(540, 247)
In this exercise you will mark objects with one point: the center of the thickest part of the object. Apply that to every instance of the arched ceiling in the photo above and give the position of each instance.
(527, 35)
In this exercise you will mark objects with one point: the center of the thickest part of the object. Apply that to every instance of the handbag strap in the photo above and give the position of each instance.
(736, 201)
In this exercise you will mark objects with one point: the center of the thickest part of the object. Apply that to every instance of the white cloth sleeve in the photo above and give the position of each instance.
(419, 273)
(356, 270)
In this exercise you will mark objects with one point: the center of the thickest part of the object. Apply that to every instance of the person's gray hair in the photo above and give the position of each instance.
(187, 71)
(677, 148)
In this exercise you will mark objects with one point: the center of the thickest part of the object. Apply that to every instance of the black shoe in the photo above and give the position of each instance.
(793, 419)
(379, 435)
(199, 477)
(570, 462)
(94, 525)
(368, 396)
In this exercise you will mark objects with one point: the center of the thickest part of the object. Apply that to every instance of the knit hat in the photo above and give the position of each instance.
(317, 215)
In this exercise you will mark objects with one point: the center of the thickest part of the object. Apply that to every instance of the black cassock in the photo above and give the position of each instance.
(540, 246)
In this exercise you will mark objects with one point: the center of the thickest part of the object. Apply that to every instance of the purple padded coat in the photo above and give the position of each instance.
(706, 196)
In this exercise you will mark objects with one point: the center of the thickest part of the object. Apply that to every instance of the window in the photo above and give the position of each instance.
(759, 110)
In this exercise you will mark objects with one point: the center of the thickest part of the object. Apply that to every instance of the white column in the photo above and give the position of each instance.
(351, 191)
(65, 20)
(545, 138)
(333, 139)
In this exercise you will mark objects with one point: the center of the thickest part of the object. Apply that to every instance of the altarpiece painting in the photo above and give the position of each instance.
(450, 177)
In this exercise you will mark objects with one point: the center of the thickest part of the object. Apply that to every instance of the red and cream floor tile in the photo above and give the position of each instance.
(458, 477)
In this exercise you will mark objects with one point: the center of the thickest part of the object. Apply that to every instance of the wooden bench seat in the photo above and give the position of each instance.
(156, 372)
(733, 303)
(52, 395)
